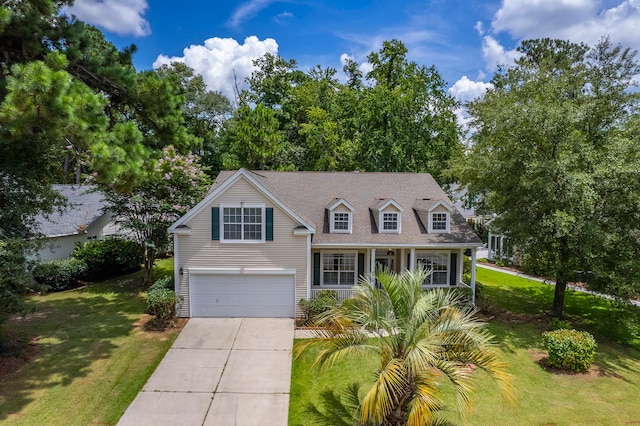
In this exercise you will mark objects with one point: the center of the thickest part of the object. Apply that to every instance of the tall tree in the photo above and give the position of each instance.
(407, 117)
(545, 134)
(204, 112)
(421, 338)
(174, 185)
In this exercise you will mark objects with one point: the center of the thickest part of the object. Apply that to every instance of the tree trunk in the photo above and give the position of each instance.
(147, 265)
(561, 280)
(558, 298)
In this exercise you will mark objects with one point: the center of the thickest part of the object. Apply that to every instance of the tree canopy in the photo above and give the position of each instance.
(555, 158)
(398, 117)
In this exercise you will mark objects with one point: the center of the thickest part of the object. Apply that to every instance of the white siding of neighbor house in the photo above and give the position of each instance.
(62, 247)
(198, 250)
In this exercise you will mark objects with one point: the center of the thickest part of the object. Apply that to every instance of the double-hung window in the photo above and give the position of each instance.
(243, 223)
(439, 222)
(390, 222)
(438, 264)
(341, 222)
(338, 269)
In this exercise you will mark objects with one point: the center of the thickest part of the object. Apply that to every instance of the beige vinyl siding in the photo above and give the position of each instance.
(199, 251)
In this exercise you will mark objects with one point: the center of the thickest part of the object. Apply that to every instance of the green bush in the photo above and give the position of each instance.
(161, 303)
(313, 307)
(162, 283)
(60, 274)
(570, 349)
(108, 258)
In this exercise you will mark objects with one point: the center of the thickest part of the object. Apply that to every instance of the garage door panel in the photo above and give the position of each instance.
(242, 295)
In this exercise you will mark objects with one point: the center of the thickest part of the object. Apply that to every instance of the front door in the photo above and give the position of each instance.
(386, 262)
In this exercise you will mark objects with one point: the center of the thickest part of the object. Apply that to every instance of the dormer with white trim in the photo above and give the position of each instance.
(388, 215)
(340, 216)
(439, 217)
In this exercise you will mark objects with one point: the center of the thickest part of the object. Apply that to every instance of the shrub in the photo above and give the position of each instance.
(162, 283)
(161, 303)
(60, 274)
(313, 307)
(570, 349)
(107, 258)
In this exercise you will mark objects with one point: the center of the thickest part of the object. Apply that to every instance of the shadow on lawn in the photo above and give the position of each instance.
(72, 333)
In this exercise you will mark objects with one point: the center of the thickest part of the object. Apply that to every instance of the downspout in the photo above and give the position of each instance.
(473, 276)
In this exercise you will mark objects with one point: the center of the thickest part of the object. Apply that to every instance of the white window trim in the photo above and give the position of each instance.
(355, 265)
(440, 231)
(448, 264)
(243, 206)
(341, 231)
(381, 222)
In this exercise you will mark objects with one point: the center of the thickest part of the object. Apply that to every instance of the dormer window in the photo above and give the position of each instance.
(387, 215)
(439, 222)
(341, 222)
(340, 216)
(439, 216)
(390, 222)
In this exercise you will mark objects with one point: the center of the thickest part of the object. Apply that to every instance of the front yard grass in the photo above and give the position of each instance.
(90, 354)
(606, 395)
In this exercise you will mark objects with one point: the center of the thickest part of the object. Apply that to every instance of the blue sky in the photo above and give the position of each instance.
(465, 40)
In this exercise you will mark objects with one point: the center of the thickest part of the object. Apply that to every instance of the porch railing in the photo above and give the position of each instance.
(343, 293)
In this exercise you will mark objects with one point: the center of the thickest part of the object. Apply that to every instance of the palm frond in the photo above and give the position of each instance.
(385, 393)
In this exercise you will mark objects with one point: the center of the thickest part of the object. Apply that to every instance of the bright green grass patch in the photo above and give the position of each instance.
(91, 359)
(605, 395)
(592, 313)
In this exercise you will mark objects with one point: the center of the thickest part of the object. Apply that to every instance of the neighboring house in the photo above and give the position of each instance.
(84, 219)
(261, 241)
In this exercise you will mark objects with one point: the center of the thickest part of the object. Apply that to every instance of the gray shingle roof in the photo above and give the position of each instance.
(83, 208)
(309, 194)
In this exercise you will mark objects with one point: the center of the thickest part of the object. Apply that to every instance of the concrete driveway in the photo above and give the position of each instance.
(220, 371)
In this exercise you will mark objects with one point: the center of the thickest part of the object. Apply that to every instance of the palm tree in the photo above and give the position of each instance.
(421, 337)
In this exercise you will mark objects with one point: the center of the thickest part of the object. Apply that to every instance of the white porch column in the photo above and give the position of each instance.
(373, 262)
(403, 261)
(473, 276)
(412, 264)
(489, 255)
(460, 266)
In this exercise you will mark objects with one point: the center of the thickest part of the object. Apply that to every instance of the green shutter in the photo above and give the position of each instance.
(316, 268)
(215, 223)
(360, 265)
(269, 223)
(454, 269)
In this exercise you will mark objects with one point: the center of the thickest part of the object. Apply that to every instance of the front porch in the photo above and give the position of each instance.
(339, 269)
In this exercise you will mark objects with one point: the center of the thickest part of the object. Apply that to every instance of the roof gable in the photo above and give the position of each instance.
(227, 183)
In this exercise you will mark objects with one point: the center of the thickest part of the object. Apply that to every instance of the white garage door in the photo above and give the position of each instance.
(222, 295)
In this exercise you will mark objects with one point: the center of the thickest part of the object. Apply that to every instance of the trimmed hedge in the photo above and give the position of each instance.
(108, 258)
(162, 283)
(313, 307)
(60, 274)
(161, 303)
(570, 349)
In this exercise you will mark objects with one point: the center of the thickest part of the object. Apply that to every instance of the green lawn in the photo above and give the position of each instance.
(607, 395)
(91, 358)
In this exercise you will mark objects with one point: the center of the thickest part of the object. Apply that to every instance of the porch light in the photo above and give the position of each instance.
(181, 271)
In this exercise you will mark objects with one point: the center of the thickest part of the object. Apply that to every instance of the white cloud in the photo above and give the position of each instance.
(479, 27)
(247, 10)
(465, 90)
(282, 18)
(223, 62)
(123, 17)
(576, 20)
(494, 53)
